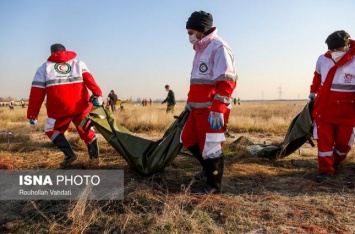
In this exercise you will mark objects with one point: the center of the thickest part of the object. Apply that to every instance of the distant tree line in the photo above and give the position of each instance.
(7, 99)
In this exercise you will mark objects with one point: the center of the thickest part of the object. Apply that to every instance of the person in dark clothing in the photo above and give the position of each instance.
(169, 100)
(11, 105)
(113, 99)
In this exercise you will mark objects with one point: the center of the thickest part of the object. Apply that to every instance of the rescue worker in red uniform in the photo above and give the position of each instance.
(65, 81)
(213, 79)
(333, 89)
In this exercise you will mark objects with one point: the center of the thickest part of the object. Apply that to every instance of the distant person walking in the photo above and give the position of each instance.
(213, 79)
(113, 100)
(169, 100)
(333, 92)
(107, 103)
(64, 80)
(22, 103)
(11, 105)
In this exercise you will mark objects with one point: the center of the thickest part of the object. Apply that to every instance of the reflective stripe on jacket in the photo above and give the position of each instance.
(335, 85)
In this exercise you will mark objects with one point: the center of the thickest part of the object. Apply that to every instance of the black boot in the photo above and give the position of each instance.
(214, 170)
(65, 147)
(93, 149)
(195, 150)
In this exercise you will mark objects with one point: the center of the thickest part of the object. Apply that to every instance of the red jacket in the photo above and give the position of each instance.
(213, 75)
(65, 81)
(334, 84)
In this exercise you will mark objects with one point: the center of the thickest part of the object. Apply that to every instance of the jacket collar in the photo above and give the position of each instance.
(201, 44)
(61, 56)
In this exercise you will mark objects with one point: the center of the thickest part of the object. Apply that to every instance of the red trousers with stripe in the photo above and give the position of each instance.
(197, 130)
(59, 125)
(334, 143)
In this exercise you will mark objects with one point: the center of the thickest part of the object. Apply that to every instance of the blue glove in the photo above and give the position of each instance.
(33, 122)
(312, 96)
(97, 101)
(216, 120)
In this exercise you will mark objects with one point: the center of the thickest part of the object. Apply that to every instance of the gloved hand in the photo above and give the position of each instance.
(312, 96)
(33, 122)
(97, 101)
(216, 120)
(187, 107)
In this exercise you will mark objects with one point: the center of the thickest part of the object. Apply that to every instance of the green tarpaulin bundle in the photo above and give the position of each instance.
(298, 133)
(146, 156)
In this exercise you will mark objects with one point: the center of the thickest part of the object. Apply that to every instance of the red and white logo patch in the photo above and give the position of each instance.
(62, 68)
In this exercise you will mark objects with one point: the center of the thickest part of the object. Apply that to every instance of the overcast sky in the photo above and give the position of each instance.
(137, 47)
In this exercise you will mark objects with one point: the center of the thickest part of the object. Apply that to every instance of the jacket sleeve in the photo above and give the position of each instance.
(91, 84)
(37, 94)
(89, 80)
(226, 79)
(315, 83)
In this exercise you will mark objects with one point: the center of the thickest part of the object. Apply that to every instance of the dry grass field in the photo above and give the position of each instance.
(259, 195)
